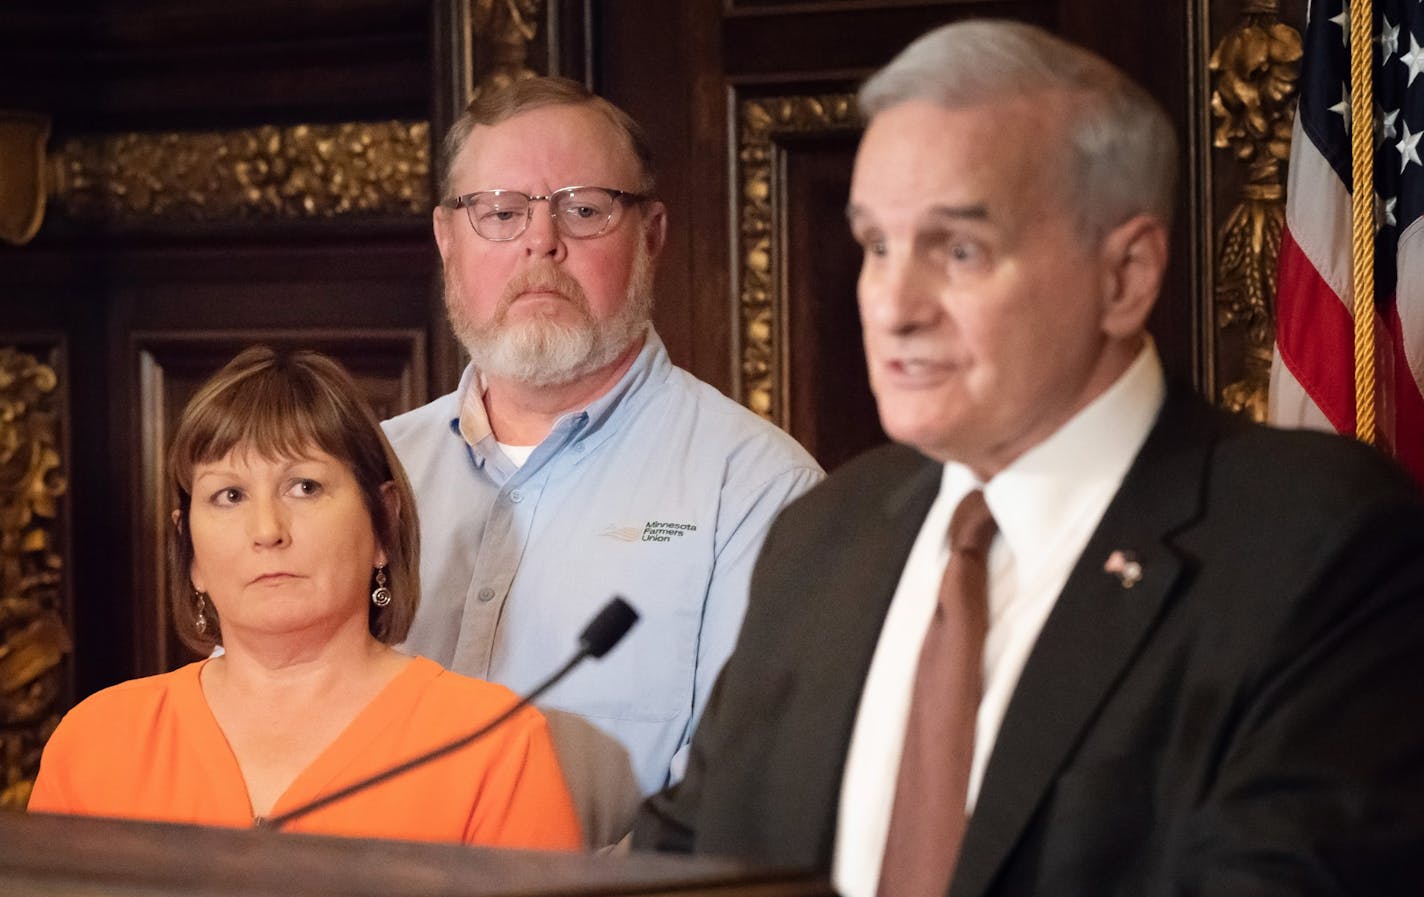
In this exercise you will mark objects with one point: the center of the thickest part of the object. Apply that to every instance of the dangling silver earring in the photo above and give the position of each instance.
(381, 596)
(201, 623)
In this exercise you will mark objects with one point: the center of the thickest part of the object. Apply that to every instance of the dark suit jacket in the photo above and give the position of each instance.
(1247, 719)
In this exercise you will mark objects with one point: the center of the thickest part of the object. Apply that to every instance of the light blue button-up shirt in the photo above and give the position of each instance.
(661, 491)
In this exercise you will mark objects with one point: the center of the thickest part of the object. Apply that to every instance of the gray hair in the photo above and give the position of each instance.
(490, 107)
(1123, 158)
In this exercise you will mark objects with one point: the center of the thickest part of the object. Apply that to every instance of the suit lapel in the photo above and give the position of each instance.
(1094, 631)
(849, 630)
(879, 556)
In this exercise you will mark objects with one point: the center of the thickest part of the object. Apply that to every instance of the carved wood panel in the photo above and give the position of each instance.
(1253, 66)
(35, 600)
(798, 345)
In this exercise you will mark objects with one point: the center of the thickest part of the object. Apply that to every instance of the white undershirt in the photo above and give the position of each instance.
(517, 453)
(1047, 504)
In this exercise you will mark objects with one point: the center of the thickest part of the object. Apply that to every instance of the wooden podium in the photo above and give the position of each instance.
(70, 856)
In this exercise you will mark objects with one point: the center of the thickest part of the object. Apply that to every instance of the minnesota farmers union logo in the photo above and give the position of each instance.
(652, 531)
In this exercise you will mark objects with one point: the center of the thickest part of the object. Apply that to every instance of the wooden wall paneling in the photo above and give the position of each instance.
(568, 46)
(830, 408)
(36, 553)
(831, 40)
(379, 281)
(1159, 45)
(158, 65)
(658, 62)
(799, 360)
(50, 299)
(389, 365)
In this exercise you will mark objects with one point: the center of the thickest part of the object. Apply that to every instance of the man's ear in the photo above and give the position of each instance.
(442, 219)
(655, 228)
(1134, 258)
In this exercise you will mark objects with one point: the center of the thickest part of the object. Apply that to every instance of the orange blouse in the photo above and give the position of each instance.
(151, 749)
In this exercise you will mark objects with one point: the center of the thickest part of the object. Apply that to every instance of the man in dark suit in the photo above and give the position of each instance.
(1202, 670)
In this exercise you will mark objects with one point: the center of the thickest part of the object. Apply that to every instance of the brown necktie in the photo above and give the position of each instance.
(928, 819)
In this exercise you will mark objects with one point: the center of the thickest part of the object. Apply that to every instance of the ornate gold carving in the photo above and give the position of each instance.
(503, 31)
(22, 183)
(1256, 66)
(761, 385)
(266, 173)
(33, 637)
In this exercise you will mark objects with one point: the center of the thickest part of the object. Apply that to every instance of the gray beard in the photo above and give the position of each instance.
(542, 352)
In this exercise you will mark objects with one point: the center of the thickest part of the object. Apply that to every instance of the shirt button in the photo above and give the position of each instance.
(578, 446)
(486, 593)
(516, 496)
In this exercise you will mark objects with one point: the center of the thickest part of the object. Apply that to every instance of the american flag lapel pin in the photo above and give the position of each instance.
(1125, 567)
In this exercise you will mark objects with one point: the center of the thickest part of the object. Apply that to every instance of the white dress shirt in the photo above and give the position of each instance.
(1047, 504)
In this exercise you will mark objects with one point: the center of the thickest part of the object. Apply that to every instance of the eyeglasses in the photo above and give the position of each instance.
(579, 212)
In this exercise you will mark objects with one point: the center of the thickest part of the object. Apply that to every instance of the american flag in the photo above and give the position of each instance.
(1312, 378)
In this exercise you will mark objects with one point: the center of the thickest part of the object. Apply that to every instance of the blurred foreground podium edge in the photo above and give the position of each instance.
(64, 856)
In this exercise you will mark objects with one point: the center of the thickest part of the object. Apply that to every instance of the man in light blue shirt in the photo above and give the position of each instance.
(574, 461)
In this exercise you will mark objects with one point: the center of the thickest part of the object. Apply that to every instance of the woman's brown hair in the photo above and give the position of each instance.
(282, 404)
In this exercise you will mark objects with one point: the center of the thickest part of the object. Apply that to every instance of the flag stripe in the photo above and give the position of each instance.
(1409, 301)
(1289, 400)
(1314, 331)
(1407, 399)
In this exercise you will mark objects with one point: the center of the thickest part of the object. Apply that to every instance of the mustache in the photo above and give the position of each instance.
(545, 277)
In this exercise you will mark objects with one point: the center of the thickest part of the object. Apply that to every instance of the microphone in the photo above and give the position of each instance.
(604, 631)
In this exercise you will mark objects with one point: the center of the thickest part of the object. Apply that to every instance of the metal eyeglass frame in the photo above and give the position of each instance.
(466, 201)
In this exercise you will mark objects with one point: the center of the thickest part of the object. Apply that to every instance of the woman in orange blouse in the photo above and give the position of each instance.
(295, 547)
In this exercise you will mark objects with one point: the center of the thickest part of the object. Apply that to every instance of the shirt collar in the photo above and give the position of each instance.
(473, 421)
(1056, 487)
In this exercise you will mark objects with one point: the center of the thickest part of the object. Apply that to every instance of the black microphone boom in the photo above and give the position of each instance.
(603, 632)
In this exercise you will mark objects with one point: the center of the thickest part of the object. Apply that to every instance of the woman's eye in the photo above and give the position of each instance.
(226, 497)
(305, 488)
